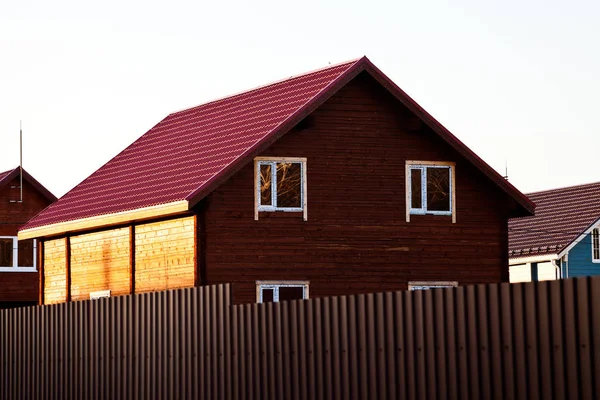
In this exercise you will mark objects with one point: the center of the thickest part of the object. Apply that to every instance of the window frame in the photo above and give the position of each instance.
(422, 167)
(276, 285)
(273, 161)
(595, 239)
(428, 285)
(15, 267)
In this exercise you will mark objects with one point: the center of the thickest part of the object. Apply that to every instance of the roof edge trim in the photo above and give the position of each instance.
(354, 68)
(579, 238)
(527, 205)
(531, 259)
(100, 221)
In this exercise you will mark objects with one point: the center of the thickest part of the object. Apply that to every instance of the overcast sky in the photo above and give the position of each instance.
(516, 81)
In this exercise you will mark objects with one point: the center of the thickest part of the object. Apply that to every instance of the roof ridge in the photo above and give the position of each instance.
(266, 85)
(198, 148)
(564, 188)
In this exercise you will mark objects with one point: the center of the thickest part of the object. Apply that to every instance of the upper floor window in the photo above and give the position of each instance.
(280, 185)
(596, 245)
(17, 256)
(430, 188)
(275, 291)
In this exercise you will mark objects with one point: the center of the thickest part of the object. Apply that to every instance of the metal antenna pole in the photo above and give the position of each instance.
(21, 157)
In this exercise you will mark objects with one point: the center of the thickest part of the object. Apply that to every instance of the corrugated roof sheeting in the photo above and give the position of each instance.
(189, 152)
(185, 150)
(561, 215)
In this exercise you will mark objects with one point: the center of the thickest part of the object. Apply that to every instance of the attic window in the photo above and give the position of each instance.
(596, 245)
(430, 189)
(280, 185)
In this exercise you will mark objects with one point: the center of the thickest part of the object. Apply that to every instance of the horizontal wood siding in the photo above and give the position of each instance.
(100, 261)
(580, 259)
(55, 272)
(164, 255)
(164, 259)
(14, 214)
(356, 238)
(20, 286)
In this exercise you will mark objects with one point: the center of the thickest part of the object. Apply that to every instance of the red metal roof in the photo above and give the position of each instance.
(189, 153)
(561, 215)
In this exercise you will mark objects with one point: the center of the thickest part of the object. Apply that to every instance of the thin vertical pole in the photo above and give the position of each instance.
(21, 158)
(68, 267)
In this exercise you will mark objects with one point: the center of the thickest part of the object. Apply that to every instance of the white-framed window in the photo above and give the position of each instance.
(596, 245)
(275, 291)
(280, 185)
(427, 285)
(430, 188)
(17, 256)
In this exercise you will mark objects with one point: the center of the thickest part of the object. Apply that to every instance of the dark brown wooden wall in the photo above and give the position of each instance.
(356, 239)
(18, 286)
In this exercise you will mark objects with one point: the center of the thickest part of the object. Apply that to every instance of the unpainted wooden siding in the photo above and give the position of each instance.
(164, 259)
(55, 271)
(100, 261)
(164, 255)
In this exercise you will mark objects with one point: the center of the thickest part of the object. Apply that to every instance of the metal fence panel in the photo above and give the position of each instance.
(533, 340)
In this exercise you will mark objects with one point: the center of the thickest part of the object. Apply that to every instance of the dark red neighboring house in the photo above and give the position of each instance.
(328, 183)
(18, 260)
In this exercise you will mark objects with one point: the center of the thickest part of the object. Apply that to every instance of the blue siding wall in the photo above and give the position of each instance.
(580, 259)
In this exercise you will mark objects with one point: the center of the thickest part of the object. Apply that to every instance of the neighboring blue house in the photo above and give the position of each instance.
(562, 239)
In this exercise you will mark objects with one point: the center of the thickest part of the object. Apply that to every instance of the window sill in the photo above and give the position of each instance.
(285, 210)
(18, 269)
(415, 212)
(280, 214)
(428, 216)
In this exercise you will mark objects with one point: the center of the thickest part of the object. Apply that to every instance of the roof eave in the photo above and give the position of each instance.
(105, 220)
(534, 258)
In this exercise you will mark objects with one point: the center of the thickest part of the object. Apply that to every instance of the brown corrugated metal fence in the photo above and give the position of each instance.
(164, 345)
(534, 340)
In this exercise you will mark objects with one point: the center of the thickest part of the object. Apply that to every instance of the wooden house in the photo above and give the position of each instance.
(328, 183)
(18, 259)
(562, 240)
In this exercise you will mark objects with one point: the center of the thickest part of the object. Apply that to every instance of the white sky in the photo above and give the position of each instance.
(514, 80)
